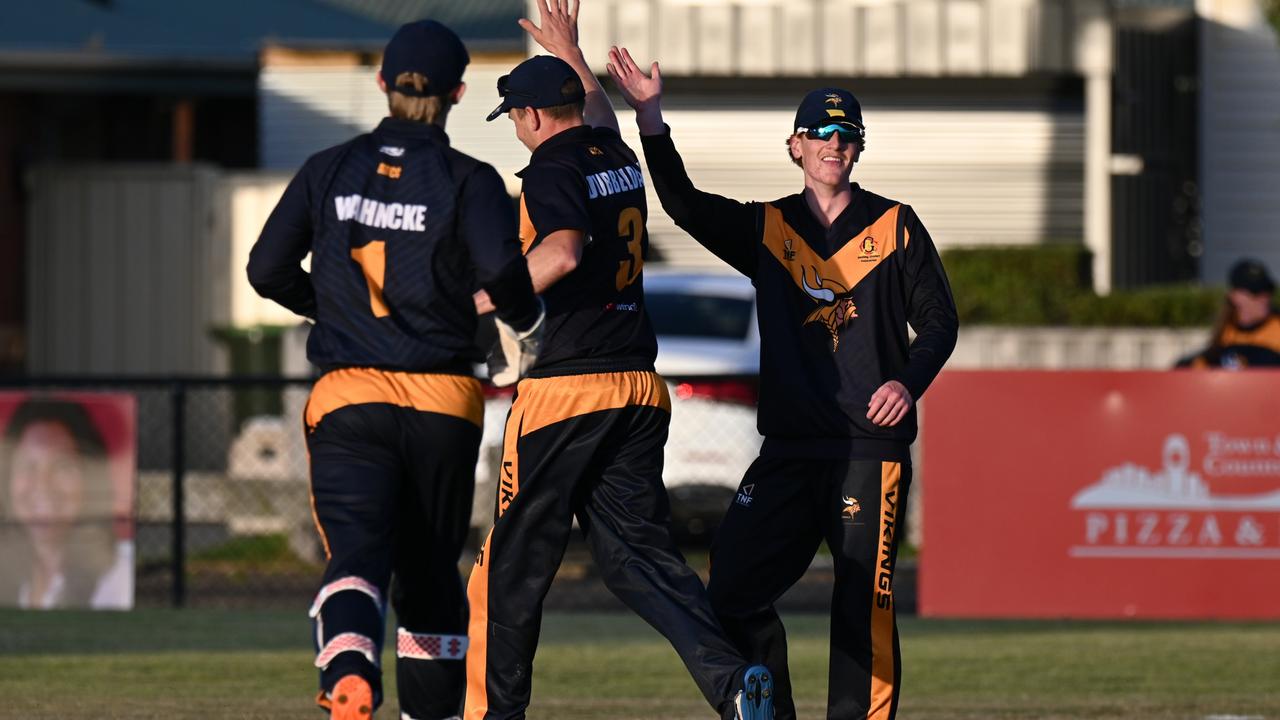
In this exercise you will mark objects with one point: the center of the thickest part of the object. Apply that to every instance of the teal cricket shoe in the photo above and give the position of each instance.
(755, 700)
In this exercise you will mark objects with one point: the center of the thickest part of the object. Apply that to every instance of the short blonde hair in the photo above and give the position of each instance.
(430, 109)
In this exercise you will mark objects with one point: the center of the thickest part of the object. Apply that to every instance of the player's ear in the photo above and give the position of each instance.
(535, 118)
(794, 144)
(455, 97)
(382, 84)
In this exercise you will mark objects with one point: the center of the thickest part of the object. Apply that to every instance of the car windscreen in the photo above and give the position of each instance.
(686, 315)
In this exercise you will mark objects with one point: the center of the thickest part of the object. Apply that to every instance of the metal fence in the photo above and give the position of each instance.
(222, 502)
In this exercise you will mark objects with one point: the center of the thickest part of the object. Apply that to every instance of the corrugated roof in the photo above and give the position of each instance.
(228, 31)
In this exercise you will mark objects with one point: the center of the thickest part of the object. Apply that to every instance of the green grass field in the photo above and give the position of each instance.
(191, 663)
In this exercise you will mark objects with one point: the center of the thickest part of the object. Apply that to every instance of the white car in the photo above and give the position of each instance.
(709, 353)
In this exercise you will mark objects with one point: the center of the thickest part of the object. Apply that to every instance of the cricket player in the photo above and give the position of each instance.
(1247, 331)
(839, 273)
(401, 229)
(586, 430)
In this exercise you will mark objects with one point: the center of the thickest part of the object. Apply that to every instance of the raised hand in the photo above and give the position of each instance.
(642, 92)
(558, 35)
(559, 31)
(638, 89)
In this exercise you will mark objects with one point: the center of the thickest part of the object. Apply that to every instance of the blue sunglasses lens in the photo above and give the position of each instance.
(846, 133)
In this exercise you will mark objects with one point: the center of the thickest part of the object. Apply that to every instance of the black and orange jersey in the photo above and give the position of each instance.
(401, 229)
(833, 306)
(1264, 334)
(1237, 346)
(587, 179)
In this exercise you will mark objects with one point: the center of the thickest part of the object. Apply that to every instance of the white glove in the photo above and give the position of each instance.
(516, 351)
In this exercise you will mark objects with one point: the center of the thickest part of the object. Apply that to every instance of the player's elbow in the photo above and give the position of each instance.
(264, 278)
(259, 277)
(567, 260)
(564, 251)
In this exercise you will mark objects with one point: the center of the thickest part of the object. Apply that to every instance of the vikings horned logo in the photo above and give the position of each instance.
(835, 305)
(851, 508)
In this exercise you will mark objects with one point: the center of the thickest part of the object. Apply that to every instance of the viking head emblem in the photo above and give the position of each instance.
(835, 304)
(851, 507)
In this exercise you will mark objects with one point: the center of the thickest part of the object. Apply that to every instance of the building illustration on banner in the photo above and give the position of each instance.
(1173, 486)
(1135, 511)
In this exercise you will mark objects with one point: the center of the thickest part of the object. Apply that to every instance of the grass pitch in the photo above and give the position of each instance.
(232, 664)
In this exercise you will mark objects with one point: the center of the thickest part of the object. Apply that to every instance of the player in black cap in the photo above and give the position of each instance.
(586, 430)
(839, 274)
(1247, 332)
(401, 230)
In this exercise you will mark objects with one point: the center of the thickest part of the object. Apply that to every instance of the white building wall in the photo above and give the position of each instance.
(1004, 174)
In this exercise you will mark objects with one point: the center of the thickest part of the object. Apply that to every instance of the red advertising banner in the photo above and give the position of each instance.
(1102, 495)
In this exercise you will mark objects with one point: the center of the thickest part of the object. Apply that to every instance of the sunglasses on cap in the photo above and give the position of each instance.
(847, 133)
(504, 89)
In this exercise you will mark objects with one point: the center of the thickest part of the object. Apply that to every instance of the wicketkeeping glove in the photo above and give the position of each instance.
(516, 350)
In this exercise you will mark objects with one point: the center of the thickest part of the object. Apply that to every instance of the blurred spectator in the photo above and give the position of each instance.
(1247, 333)
(59, 545)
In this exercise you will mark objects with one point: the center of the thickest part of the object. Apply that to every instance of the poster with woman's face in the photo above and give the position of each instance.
(67, 469)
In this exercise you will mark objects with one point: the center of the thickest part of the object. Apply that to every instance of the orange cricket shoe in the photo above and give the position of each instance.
(352, 699)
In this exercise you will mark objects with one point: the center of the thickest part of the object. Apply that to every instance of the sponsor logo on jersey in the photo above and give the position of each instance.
(592, 149)
(612, 182)
(623, 307)
(391, 171)
(384, 216)
(391, 150)
(744, 495)
(868, 250)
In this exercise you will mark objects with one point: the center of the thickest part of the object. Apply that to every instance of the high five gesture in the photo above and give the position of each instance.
(642, 92)
(558, 35)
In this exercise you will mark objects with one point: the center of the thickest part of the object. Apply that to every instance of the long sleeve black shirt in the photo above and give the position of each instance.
(401, 229)
(833, 306)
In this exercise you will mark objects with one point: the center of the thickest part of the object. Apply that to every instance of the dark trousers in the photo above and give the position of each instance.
(587, 446)
(392, 490)
(783, 509)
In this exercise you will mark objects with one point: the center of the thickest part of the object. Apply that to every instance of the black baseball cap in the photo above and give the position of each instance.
(1251, 275)
(429, 48)
(539, 82)
(829, 106)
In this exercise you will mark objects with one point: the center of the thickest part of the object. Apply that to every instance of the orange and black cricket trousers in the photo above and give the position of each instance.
(783, 510)
(393, 460)
(585, 446)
